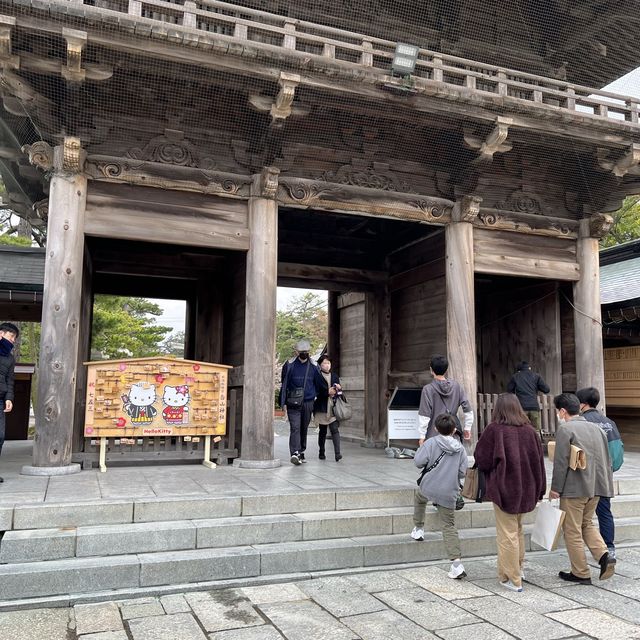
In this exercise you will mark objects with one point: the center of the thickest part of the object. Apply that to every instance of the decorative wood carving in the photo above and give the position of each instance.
(40, 155)
(171, 148)
(70, 156)
(495, 142)
(268, 182)
(466, 209)
(76, 41)
(619, 167)
(599, 225)
(534, 224)
(520, 202)
(282, 107)
(359, 174)
(152, 174)
(305, 193)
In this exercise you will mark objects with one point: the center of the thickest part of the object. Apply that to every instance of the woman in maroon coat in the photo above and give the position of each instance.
(510, 455)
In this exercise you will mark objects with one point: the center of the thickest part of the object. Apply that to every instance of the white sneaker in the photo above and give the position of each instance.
(512, 587)
(457, 573)
(417, 534)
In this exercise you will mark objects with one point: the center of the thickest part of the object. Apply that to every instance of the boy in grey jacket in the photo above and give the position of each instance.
(445, 461)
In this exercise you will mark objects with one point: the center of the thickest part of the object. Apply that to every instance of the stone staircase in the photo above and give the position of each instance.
(83, 551)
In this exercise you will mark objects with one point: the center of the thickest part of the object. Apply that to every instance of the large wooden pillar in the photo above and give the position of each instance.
(461, 323)
(62, 312)
(260, 325)
(586, 302)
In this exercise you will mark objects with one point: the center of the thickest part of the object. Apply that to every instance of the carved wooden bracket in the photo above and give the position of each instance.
(68, 158)
(495, 142)
(466, 209)
(266, 184)
(623, 165)
(282, 106)
(7, 60)
(596, 226)
(76, 41)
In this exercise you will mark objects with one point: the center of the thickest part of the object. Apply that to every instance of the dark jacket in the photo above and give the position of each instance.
(513, 463)
(7, 377)
(441, 396)
(526, 384)
(293, 375)
(614, 441)
(320, 405)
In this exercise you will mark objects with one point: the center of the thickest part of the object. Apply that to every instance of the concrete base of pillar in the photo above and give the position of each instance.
(256, 464)
(67, 470)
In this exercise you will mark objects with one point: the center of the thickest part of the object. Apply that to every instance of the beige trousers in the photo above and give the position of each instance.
(579, 530)
(510, 541)
(447, 524)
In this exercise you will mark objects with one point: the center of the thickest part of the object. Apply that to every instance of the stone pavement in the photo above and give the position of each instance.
(401, 603)
(361, 468)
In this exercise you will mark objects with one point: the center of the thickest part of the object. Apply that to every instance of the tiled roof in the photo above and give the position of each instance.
(21, 268)
(620, 281)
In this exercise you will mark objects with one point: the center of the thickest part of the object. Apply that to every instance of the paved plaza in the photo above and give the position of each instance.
(401, 603)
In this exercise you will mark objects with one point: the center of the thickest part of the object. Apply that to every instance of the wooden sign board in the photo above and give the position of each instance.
(622, 376)
(142, 397)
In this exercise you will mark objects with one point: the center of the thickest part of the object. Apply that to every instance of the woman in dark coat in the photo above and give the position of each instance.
(510, 455)
(323, 408)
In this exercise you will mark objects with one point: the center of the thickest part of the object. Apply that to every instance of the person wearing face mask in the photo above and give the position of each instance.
(579, 490)
(323, 408)
(301, 380)
(8, 335)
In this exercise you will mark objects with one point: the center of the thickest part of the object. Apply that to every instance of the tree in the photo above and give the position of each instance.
(125, 328)
(626, 223)
(305, 317)
(173, 344)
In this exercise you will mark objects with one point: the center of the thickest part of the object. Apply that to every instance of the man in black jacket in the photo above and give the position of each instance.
(8, 335)
(526, 384)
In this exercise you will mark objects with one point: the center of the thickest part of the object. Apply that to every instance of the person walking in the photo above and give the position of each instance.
(441, 396)
(444, 461)
(510, 455)
(526, 384)
(328, 389)
(589, 400)
(8, 335)
(300, 383)
(579, 490)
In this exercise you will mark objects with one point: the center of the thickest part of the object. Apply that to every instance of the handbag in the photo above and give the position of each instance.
(473, 488)
(295, 397)
(548, 525)
(341, 408)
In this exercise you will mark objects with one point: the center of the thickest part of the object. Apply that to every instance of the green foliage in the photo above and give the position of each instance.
(17, 241)
(626, 223)
(305, 317)
(124, 328)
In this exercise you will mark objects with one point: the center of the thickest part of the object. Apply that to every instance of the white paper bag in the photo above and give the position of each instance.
(548, 525)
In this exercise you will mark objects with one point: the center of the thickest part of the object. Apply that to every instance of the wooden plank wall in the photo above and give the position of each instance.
(518, 254)
(165, 216)
(351, 372)
(418, 311)
(567, 338)
(518, 323)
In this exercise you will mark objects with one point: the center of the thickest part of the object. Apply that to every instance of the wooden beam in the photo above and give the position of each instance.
(527, 267)
(353, 277)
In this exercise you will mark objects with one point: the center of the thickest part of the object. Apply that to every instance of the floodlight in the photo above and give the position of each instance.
(404, 59)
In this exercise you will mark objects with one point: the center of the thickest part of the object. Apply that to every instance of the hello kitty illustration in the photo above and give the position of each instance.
(139, 403)
(176, 400)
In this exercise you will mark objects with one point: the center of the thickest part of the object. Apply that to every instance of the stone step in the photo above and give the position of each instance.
(102, 512)
(151, 571)
(35, 545)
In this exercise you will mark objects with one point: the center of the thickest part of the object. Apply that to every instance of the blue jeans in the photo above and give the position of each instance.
(605, 521)
(299, 420)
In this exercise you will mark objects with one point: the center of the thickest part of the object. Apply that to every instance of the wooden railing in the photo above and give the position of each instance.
(227, 20)
(487, 401)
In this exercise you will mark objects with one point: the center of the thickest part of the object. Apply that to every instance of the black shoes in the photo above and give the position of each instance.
(322, 456)
(1, 480)
(607, 566)
(338, 457)
(295, 459)
(569, 577)
(302, 458)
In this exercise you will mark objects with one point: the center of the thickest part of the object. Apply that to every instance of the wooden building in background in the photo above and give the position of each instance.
(217, 149)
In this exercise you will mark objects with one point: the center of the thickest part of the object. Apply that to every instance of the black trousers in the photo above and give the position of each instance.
(335, 436)
(299, 420)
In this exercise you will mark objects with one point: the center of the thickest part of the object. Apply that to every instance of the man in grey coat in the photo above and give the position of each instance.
(579, 490)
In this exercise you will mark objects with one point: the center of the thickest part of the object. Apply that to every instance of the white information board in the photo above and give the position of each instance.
(403, 424)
